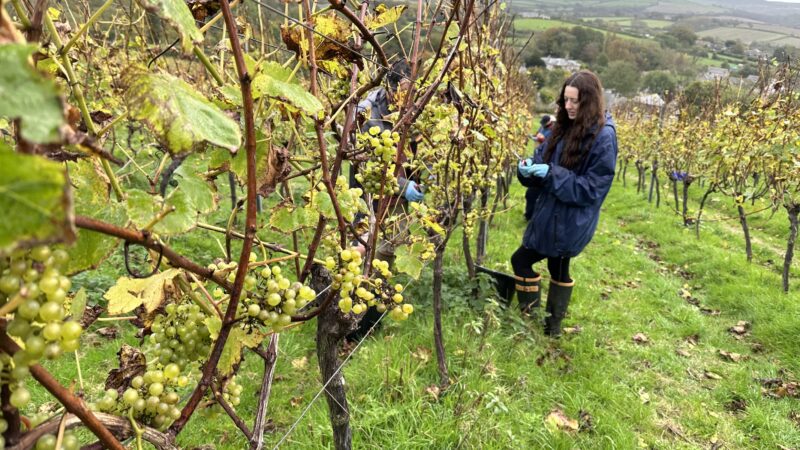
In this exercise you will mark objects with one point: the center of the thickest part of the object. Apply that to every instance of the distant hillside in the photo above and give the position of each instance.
(777, 13)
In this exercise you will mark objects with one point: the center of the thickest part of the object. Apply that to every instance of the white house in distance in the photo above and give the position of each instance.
(570, 65)
(716, 73)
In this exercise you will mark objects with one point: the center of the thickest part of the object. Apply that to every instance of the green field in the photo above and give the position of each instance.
(628, 21)
(534, 24)
(746, 35)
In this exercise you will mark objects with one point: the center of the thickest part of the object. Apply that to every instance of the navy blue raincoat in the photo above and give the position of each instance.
(568, 203)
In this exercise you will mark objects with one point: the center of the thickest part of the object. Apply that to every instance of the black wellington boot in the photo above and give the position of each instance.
(557, 301)
(528, 294)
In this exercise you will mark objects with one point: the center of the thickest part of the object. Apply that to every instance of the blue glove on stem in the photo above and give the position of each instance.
(413, 193)
(540, 170)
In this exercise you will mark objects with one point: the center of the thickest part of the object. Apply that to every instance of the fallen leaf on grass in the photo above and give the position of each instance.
(675, 429)
(633, 284)
(434, 391)
(736, 404)
(300, 363)
(423, 354)
(490, 370)
(108, 332)
(712, 375)
(553, 354)
(295, 401)
(573, 330)
(644, 396)
(557, 420)
(682, 352)
(730, 356)
(778, 388)
(693, 339)
(586, 421)
(709, 311)
(757, 347)
(741, 328)
(640, 338)
(715, 444)
(794, 416)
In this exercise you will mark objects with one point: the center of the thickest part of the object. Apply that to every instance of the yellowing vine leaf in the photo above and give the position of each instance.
(129, 293)
(178, 15)
(330, 31)
(232, 353)
(177, 112)
(384, 16)
(34, 199)
(27, 95)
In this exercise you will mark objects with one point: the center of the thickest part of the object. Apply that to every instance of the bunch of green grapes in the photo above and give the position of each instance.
(357, 293)
(48, 442)
(338, 89)
(271, 299)
(381, 147)
(33, 291)
(150, 398)
(231, 392)
(348, 280)
(429, 249)
(180, 336)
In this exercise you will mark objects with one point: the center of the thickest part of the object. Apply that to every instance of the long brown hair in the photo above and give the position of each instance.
(591, 113)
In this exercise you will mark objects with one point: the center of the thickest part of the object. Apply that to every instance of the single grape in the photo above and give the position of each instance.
(20, 397)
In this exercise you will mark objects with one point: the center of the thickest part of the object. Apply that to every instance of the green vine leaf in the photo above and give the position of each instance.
(78, 304)
(143, 208)
(178, 15)
(200, 193)
(92, 199)
(274, 81)
(129, 293)
(287, 218)
(177, 113)
(29, 96)
(35, 201)
(409, 259)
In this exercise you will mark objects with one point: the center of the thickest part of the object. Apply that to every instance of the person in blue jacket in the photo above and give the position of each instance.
(572, 173)
(545, 128)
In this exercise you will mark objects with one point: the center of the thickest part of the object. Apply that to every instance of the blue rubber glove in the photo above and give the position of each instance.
(413, 193)
(540, 170)
(525, 166)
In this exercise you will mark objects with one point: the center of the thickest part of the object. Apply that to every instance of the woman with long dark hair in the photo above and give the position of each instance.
(572, 171)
